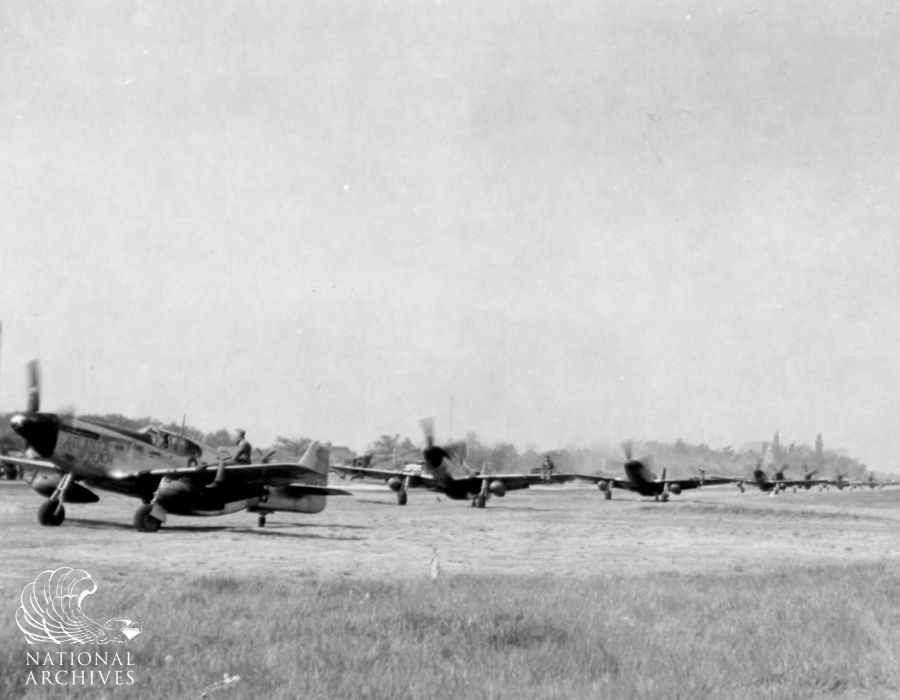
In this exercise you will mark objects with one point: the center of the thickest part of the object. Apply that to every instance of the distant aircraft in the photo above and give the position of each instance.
(435, 474)
(168, 472)
(640, 478)
(776, 484)
(840, 481)
(808, 480)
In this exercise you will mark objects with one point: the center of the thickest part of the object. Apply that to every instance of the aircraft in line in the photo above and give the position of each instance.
(436, 473)
(778, 482)
(168, 472)
(640, 478)
(840, 481)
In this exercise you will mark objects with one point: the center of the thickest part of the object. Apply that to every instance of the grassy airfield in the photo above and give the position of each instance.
(544, 594)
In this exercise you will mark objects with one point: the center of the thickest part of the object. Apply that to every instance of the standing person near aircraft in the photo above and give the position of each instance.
(242, 456)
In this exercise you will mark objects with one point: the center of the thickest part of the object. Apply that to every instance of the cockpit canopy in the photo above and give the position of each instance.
(171, 442)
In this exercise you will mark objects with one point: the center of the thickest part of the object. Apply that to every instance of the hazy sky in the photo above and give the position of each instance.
(583, 221)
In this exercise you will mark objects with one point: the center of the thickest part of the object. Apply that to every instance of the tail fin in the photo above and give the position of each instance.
(316, 457)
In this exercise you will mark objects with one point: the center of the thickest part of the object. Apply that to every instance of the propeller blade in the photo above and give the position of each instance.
(263, 457)
(627, 449)
(34, 387)
(427, 425)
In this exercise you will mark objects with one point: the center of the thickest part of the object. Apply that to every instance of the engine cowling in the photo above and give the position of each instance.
(497, 488)
(675, 488)
(395, 483)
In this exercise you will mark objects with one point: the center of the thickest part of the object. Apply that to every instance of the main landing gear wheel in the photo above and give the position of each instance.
(48, 515)
(607, 494)
(401, 498)
(144, 522)
(480, 501)
(261, 521)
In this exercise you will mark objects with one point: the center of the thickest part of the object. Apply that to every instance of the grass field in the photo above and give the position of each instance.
(719, 596)
(808, 633)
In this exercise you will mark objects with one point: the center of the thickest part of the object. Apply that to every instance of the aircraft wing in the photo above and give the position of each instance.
(696, 482)
(800, 482)
(511, 482)
(25, 462)
(616, 481)
(371, 472)
(523, 481)
(271, 474)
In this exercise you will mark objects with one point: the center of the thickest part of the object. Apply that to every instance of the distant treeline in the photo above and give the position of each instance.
(679, 458)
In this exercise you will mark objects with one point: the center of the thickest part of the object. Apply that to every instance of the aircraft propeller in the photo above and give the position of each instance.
(265, 457)
(39, 430)
(628, 450)
(34, 387)
(434, 454)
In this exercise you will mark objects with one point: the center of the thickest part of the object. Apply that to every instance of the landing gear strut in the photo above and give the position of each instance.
(261, 521)
(51, 511)
(401, 494)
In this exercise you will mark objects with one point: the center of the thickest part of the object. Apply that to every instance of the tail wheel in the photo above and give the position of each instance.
(48, 513)
(401, 498)
(144, 521)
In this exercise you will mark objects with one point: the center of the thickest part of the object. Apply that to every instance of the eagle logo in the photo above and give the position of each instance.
(51, 611)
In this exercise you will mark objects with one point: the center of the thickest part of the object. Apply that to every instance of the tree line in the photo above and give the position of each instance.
(679, 458)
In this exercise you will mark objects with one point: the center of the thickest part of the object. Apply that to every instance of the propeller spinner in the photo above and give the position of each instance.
(434, 455)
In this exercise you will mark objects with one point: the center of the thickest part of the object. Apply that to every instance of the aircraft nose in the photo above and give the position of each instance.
(40, 431)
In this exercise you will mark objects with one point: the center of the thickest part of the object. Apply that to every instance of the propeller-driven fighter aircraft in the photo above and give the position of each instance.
(640, 478)
(437, 474)
(779, 482)
(168, 472)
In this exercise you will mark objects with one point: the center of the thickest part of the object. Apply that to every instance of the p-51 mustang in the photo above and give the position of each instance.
(435, 473)
(779, 482)
(168, 472)
(640, 478)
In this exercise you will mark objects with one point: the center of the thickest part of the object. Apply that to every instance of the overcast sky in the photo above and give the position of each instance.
(582, 221)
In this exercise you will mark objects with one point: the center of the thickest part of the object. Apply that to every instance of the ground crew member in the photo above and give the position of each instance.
(242, 456)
